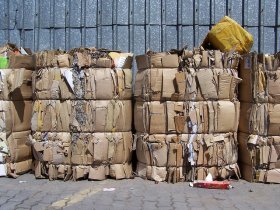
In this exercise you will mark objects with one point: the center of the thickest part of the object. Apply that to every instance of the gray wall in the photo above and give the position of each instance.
(133, 25)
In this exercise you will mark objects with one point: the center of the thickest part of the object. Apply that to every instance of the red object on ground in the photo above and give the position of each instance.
(224, 185)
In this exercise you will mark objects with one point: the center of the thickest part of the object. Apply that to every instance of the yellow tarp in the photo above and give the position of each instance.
(228, 35)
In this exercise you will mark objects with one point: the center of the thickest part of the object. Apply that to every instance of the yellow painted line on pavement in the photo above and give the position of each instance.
(77, 197)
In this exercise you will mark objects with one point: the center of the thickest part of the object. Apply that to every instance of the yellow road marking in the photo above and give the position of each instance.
(77, 197)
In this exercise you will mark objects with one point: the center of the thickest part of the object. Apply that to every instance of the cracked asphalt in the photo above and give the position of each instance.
(26, 192)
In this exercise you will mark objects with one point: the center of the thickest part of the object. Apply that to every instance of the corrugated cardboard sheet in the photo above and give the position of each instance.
(93, 83)
(82, 115)
(70, 151)
(259, 118)
(15, 84)
(159, 154)
(186, 117)
(261, 73)
(204, 76)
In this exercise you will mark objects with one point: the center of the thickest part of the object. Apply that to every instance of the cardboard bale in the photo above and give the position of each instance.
(51, 147)
(90, 83)
(82, 155)
(192, 84)
(259, 156)
(213, 150)
(261, 119)
(186, 117)
(82, 115)
(101, 148)
(159, 155)
(261, 75)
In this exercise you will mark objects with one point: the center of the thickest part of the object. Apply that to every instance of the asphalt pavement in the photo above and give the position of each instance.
(26, 192)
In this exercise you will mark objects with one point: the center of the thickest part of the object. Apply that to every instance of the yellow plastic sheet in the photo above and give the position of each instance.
(228, 35)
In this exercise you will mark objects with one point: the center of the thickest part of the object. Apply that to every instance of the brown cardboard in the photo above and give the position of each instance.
(170, 61)
(273, 84)
(207, 86)
(143, 62)
(97, 173)
(19, 151)
(157, 60)
(246, 73)
(22, 167)
(63, 60)
(52, 147)
(20, 84)
(168, 81)
(181, 82)
(157, 118)
(99, 83)
(175, 155)
(121, 171)
(272, 176)
(155, 173)
(17, 115)
(102, 63)
(121, 148)
(142, 152)
(244, 155)
(99, 115)
(16, 84)
(80, 155)
(100, 148)
(22, 61)
(274, 119)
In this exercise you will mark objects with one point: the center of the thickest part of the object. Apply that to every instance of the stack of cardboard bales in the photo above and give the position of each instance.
(259, 129)
(15, 111)
(186, 116)
(82, 115)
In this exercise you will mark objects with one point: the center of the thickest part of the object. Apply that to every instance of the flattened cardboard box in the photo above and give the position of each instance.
(189, 117)
(261, 73)
(22, 61)
(19, 151)
(15, 116)
(83, 148)
(258, 155)
(224, 172)
(82, 116)
(157, 60)
(96, 83)
(207, 150)
(169, 84)
(260, 119)
(52, 147)
(16, 84)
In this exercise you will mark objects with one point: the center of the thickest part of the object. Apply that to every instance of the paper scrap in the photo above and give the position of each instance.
(109, 189)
